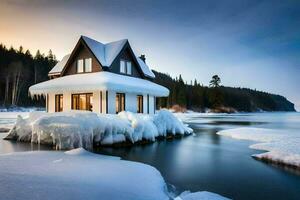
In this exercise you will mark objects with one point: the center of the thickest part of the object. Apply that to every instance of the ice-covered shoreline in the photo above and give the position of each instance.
(79, 174)
(67, 130)
(282, 148)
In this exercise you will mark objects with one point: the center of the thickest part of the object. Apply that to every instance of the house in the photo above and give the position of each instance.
(103, 78)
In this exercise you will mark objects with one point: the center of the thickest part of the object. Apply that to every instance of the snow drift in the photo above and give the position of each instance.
(282, 147)
(79, 174)
(67, 130)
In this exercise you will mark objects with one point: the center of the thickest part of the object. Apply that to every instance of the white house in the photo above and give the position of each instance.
(103, 78)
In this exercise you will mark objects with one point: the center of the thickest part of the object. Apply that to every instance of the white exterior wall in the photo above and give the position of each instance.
(145, 104)
(104, 102)
(51, 103)
(111, 102)
(151, 104)
(131, 102)
(96, 101)
(67, 102)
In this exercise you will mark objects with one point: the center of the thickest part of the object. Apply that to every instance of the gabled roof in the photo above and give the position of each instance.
(146, 70)
(60, 65)
(105, 54)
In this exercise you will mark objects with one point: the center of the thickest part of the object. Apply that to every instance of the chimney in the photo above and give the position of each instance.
(143, 58)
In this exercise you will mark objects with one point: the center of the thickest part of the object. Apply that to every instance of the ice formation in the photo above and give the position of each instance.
(203, 195)
(67, 130)
(281, 146)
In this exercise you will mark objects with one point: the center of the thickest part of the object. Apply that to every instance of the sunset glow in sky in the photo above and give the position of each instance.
(253, 44)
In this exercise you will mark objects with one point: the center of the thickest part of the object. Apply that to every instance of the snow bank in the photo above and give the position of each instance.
(77, 175)
(67, 130)
(283, 147)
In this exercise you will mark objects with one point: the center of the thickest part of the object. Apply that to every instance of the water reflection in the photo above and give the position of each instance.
(7, 146)
(211, 133)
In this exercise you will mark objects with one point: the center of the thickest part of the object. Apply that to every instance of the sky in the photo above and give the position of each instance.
(253, 44)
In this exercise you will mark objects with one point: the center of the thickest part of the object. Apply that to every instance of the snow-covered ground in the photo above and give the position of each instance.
(281, 146)
(78, 174)
(67, 130)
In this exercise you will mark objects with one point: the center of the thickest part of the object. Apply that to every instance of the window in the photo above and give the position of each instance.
(84, 65)
(80, 66)
(122, 67)
(88, 65)
(140, 103)
(128, 68)
(125, 67)
(58, 103)
(82, 101)
(120, 102)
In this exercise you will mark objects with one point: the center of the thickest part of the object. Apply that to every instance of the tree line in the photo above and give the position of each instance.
(216, 97)
(19, 69)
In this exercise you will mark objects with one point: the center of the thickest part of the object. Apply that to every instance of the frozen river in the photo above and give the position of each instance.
(207, 161)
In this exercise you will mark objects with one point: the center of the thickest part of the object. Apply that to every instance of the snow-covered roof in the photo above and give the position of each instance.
(105, 54)
(146, 70)
(60, 65)
(90, 82)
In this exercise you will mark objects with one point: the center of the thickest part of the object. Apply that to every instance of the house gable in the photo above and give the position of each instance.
(126, 54)
(81, 51)
(105, 57)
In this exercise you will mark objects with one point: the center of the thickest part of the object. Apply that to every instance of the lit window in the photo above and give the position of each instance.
(120, 102)
(88, 64)
(128, 67)
(140, 103)
(82, 102)
(80, 66)
(122, 67)
(58, 103)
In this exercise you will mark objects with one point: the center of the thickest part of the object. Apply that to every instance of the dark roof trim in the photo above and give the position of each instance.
(80, 41)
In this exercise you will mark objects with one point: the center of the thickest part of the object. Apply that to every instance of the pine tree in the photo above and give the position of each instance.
(215, 81)
(20, 51)
(50, 55)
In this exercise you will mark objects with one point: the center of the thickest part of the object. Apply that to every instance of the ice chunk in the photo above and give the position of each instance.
(166, 122)
(204, 195)
(282, 146)
(67, 130)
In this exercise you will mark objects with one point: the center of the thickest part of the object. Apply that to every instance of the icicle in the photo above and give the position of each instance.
(80, 129)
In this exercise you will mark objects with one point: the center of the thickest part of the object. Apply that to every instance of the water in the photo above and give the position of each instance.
(207, 161)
